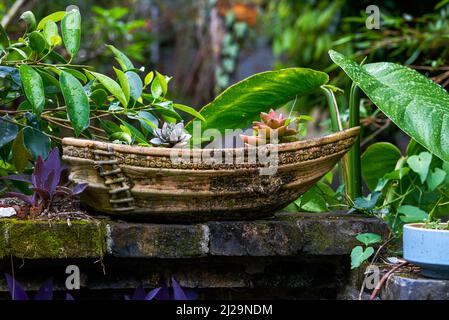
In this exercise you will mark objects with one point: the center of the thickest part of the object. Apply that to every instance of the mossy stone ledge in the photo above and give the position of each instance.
(41, 239)
(286, 234)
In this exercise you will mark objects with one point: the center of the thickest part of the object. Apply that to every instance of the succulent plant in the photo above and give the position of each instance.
(171, 136)
(271, 125)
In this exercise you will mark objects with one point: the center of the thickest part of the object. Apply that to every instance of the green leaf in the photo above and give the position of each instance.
(414, 148)
(8, 130)
(122, 136)
(415, 104)
(358, 256)
(37, 41)
(378, 159)
(420, 164)
(37, 143)
(71, 31)
(112, 86)
(29, 19)
(148, 78)
(20, 155)
(109, 126)
(135, 84)
(189, 110)
(435, 178)
(369, 238)
(76, 74)
(55, 17)
(135, 134)
(77, 102)
(99, 96)
(241, 103)
(50, 31)
(156, 88)
(123, 80)
(33, 87)
(4, 39)
(412, 214)
(162, 80)
(147, 121)
(122, 59)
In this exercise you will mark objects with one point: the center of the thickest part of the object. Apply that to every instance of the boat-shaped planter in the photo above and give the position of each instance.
(146, 183)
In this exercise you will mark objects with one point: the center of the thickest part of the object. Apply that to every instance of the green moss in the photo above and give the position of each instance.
(33, 239)
(3, 239)
(320, 239)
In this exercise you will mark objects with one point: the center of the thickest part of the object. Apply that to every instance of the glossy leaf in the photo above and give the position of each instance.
(123, 80)
(369, 238)
(414, 103)
(77, 74)
(55, 17)
(435, 178)
(20, 155)
(378, 159)
(121, 58)
(112, 86)
(99, 96)
(37, 143)
(358, 256)
(189, 110)
(71, 31)
(420, 164)
(411, 214)
(148, 78)
(29, 19)
(135, 84)
(4, 39)
(37, 41)
(8, 130)
(50, 31)
(33, 87)
(162, 81)
(76, 100)
(241, 103)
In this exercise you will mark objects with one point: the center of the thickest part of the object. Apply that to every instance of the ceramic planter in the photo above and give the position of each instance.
(144, 182)
(427, 248)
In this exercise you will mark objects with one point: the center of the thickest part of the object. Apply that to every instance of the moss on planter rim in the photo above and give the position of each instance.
(35, 239)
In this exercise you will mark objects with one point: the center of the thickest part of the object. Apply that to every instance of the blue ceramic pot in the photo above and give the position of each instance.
(427, 248)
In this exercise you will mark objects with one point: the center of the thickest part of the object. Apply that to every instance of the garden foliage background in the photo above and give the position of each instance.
(206, 45)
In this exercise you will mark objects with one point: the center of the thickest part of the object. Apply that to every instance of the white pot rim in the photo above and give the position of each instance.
(419, 226)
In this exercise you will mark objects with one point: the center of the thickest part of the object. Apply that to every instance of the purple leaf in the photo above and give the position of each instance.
(139, 293)
(38, 173)
(28, 199)
(79, 188)
(46, 291)
(52, 164)
(178, 293)
(43, 194)
(152, 294)
(18, 177)
(69, 297)
(163, 293)
(15, 289)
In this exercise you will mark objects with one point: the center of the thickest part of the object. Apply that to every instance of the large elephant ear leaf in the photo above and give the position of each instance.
(241, 103)
(414, 103)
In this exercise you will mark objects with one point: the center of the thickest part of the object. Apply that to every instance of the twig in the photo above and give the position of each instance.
(385, 278)
(11, 12)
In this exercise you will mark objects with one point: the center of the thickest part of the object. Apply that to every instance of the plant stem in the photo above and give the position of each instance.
(354, 185)
(336, 126)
